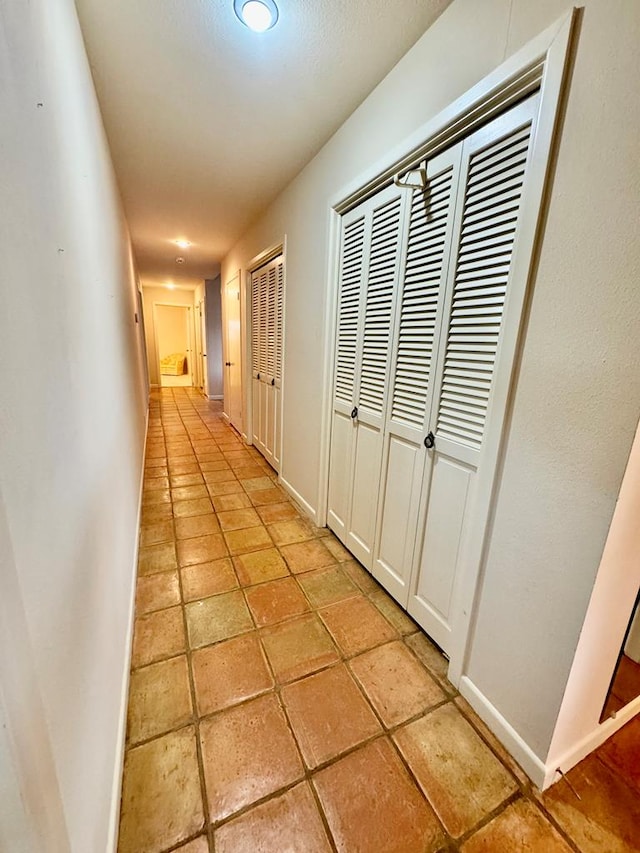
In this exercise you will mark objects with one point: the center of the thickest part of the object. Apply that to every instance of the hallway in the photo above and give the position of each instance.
(280, 698)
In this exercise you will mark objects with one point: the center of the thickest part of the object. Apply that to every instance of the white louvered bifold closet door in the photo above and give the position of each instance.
(419, 316)
(494, 162)
(267, 295)
(369, 263)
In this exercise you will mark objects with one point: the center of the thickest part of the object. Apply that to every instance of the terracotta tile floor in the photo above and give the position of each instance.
(280, 700)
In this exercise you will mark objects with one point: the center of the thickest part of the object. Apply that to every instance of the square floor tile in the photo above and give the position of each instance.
(156, 532)
(217, 618)
(161, 800)
(155, 592)
(298, 647)
(156, 512)
(337, 549)
(196, 525)
(185, 509)
(248, 753)
(260, 566)
(288, 532)
(372, 805)
(269, 513)
(306, 556)
(327, 586)
(157, 496)
(397, 685)
(158, 635)
(290, 822)
(189, 493)
(519, 827)
(394, 614)
(220, 475)
(157, 558)
(458, 773)
(356, 625)
(246, 472)
(606, 817)
(201, 549)
(268, 495)
(180, 466)
(230, 672)
(223, 503)
(159, 699)
(227, 488)
(361, 577)
(206, 579)
(238, 519)
(275, 601)
(186, 480)
(432, 658)
(328, 714)
(250, 539)
(256, 484)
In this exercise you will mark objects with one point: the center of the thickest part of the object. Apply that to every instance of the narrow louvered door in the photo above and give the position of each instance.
(267, 294)
(380, 295)
(419, 310)
(493, 172)
(354, 247)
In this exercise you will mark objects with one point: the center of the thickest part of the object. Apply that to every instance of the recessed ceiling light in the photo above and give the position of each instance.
(258, 15)
(183, 244)
(170, 286)
(179, 260)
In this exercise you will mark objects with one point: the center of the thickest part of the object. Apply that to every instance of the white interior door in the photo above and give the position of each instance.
(490, 191)
(419, 317)
(381, 275)
(204, 373)
(267, 311)
(354, 248)
(233, 361)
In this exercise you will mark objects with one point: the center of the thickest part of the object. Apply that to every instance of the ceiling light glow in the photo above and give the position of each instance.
(258, 15)
(170, 286)
(183, 244)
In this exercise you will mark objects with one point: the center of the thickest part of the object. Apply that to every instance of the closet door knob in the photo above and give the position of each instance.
(354, 413)
(430, 441)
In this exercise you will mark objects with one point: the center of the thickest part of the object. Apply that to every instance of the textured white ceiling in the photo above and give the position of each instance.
(208, 121)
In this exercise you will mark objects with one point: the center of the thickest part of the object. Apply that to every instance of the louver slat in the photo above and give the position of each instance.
(423, 272)
(377, 325)
(264, 307)
(349, 296)
(491, 207)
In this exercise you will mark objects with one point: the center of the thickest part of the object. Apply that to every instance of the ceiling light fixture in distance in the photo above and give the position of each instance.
(258, 15)
(183, 244)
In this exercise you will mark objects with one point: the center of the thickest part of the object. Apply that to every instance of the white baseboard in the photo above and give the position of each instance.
(570, 757)
(535, 769)
(225, 418)
(302, 503)
(116, 790)
(215, 397)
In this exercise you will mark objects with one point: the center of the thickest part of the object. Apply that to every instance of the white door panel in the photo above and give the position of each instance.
(342, 435)
(364, 494)
(400, 491)
(437, 560)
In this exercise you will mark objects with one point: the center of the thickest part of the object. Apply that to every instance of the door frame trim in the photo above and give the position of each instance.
(541, 65)
(190, 332)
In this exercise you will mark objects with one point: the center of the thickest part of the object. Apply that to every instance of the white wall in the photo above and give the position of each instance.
(578, 396)
(150, 296)
(214, 337)
(72, 417)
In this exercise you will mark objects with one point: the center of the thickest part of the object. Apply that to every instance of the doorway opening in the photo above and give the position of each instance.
(173, 345)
